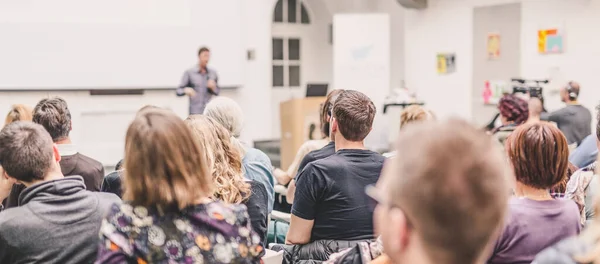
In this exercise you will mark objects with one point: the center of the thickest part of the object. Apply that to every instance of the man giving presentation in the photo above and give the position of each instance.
(200, 83)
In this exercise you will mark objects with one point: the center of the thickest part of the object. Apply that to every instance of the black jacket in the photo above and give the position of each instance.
(315, 252)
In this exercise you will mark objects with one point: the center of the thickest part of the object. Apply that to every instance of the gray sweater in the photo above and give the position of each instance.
(56, 222)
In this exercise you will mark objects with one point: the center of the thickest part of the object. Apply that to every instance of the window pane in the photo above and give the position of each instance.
(292, 11)
(294, 76)
(277, 76)
(294, 49)
(277, 49)
(304, 14)
(278, 14)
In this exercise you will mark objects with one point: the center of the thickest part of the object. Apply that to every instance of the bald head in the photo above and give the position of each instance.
(570, 92)
(535, 107)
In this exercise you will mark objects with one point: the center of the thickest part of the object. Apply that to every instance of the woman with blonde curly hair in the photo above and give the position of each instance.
(410, 115)
(225, 164)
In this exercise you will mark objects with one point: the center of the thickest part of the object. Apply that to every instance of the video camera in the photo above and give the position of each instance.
(531, 87)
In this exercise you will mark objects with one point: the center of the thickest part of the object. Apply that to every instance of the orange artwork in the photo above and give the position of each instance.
(550, 41)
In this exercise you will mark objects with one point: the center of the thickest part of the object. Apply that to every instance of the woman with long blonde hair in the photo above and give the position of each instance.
(225, 165)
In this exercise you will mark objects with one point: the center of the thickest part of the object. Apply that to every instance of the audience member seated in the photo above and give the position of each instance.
(321, 153)
(330, 202)
(256, 164)
(18, 112)
(57, 220)
(539, 155)
(411, 115)
(113, 182)
(225, 165)
(54, 115)
(582, 249)
(168, 217)
(457, 217)
(536, 108)
(574, 120)
(583, 187)
(514, 111)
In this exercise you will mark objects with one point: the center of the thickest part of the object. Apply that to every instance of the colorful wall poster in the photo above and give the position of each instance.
(493, 91)
(550, 41)
(446, 63)
(493, 46)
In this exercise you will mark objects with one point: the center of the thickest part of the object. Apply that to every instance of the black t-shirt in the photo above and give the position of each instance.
(257, 209)
(575, 121)
(318, 154)
(331, 191)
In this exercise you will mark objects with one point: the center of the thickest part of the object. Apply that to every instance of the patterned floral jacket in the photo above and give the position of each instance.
(205, 233)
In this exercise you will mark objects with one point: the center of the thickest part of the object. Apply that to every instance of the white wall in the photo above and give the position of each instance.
(446, 26)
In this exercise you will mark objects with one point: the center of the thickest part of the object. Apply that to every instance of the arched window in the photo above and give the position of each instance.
(290, 11)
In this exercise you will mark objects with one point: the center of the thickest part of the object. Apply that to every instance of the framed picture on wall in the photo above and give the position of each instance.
(493, 46)
(550, 41)
(446, 63)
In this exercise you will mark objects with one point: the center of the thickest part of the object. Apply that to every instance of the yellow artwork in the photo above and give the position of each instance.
(493, 46)
(446, 63)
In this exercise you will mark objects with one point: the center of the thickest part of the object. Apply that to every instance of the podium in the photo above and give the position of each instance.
(297, 116)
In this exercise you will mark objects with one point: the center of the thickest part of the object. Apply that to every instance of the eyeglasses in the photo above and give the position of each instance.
(375, 199)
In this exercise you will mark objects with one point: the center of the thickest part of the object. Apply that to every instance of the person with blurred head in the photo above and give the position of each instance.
(330, 203)
(456, 220)
(412, 115)
(538, 154)
(225, 165)
(584, 185)
(536, 108)
(325, 151)
(18, 112)
(169, 216)
(574, 120)
(54, 115)
(255, 163)
(200, 83)
(57, 220)
(514, 111)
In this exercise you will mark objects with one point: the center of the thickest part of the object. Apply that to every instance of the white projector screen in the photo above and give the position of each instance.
(80, 44)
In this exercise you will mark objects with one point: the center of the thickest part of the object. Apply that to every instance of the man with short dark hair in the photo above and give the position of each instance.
(330, 203)
(57, 220)
(444, 200)
(200, 83)
(54, 115)
(574, 120)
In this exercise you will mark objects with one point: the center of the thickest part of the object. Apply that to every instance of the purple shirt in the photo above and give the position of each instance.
(531, 226)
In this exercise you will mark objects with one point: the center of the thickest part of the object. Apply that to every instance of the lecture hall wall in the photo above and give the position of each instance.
(446, 26)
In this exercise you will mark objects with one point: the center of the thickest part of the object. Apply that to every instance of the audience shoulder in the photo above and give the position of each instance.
(92, 163)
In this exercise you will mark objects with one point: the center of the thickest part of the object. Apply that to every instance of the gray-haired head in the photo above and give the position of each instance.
(227, 112)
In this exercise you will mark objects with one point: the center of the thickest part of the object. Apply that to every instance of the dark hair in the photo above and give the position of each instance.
(354, 112)
(514, 109)
(119, 165)
(539, 154)
(26, 151)
(326, 109)
(455, 210)
(54, 115)
(164, 165)
(203, 49)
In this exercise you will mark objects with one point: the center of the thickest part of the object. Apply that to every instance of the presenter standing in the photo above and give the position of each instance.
(200, 83)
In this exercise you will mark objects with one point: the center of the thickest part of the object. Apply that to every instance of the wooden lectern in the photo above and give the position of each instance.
(297, 115)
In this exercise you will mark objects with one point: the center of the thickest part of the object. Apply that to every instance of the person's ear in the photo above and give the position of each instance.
(334, 125)
(8, 178)
(399, 229)
(56, 153)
